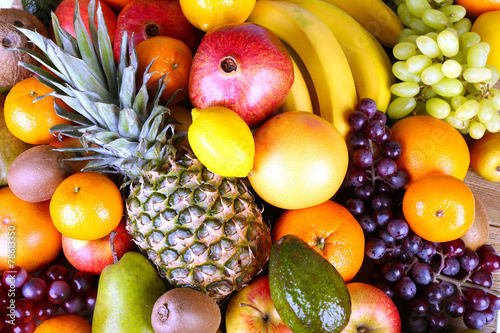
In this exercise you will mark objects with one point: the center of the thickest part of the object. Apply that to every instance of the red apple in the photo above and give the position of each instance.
(251, 309)
(149, 18)
(244, 67)
(93, 255)
(65, 12)
(371, 310)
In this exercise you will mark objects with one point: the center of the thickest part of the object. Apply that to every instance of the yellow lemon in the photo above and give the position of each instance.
(206, 14)
(222, 141)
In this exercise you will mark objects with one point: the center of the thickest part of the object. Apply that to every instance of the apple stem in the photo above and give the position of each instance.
(253, 307)
(112, 244)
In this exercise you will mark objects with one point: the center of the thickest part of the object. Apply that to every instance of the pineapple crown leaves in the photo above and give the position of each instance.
(131, 132)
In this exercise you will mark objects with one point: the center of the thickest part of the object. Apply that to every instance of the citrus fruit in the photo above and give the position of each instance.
(300, 160)
(171, 57)
(487, 26)
(207, 14)
(28, 237)
(86, 206)
(439, 207)
(330, 229)
(183, 120)
(475, 8)
(222, 141)
(430, 145)
(30, 120)
(485, 157)
(65, 323)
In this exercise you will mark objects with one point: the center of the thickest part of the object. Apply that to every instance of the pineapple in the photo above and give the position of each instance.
(201, 230)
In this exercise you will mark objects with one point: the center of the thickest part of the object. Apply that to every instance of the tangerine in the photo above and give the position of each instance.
(170, 57)
(65, 323)
(477, 7)
(28, 237)
(86, 206)
(439, 207)
(430, 145)
(28, 119)
(300, 160)
(330, 229)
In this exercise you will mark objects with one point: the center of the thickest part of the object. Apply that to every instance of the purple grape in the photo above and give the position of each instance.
(55, 273)
(382, 187)
(386, 167)
(364, 192)
(434, 293)
(456, 307)
(474, 319)
(490, 262)
(412, 244)
(367, 106)
(90, 299)
(483, 278)
(28, 327)
(357, 120)
(363, 158)
(490, 316)
(398, 228)
(418, 306)
(367, 223)
(454, 248)
(398, 180)
(58, 292)
(448, 288)
(451, 267)
(436, 307)
(406, 288)
(381, 200)
(355, 206)
(485, 248)
(35, 289)
(469, 260)
(437, 322)
(382, 216)
(494, 302)
(477, 299)
(15, 277)
(401, 255)
(374, 130)
(386, 238)
(422, 273)
(392, 149)
(44, 310)
(24, 311)
(386, 137)
(393, 271)
(386, 287)
(427, 252)
(82, 282)
(417, 325)
(356, 176)
(375, 248)
(358, 140)
(379, 116)
(74, 304)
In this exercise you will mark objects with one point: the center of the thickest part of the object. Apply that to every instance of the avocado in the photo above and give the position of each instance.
(307, 291)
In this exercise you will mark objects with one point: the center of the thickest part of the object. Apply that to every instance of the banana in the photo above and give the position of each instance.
(298, 98)
(322, 54)
(367, 62)
(375, 16)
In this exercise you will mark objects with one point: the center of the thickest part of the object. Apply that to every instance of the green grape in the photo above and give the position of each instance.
(495, 75)
(458, 100)
(448, 43)
(405, 33)
(401, 107)
(477, 55)
(463, 131)
(432, 35)
(453, 13)
(458, 124)
(469, 38)
(399, 70)
(437, 108)
(405, 89)
(404, 13)
(435, 19)
(419, 26)
(429, 93)
(486, 111)
(463, 26)
(427, 46)
(404, 50)
(451, 68)
(432, 74)
(417, 63)
(448, 87)
(476, 75)
(493, 125)
(476, 130)
(418, 7)
(494, 97)
(467, 110)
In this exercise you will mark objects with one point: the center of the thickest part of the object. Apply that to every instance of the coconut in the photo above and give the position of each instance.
(10, 18)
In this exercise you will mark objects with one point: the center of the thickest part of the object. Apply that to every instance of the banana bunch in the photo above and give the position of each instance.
(337, 61)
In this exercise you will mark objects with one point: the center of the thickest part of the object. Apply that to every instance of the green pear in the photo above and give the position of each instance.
(10, 146)
(127, 292)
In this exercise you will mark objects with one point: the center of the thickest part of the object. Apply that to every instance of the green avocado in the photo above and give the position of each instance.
(41, 9)
(307, 291)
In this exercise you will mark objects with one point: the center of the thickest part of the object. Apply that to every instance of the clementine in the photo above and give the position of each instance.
(330, 229)
(86, 206)
(28, 119)
(28, 237)
(439, 207)
(300, 160)
(477, 7)
(171, 57)
(65, 323)
(430, 145)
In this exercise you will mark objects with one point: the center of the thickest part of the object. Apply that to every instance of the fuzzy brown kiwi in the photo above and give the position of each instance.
(478, 233)
(185, 310)
(10, 18)
(35, 174)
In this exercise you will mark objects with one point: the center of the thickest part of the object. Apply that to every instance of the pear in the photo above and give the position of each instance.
(127, 292)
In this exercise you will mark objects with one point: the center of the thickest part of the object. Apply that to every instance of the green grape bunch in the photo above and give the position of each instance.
(442, 69)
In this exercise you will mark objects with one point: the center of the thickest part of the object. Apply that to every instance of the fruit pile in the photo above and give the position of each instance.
(275, 165)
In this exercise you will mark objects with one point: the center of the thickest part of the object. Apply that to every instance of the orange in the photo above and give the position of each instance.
(30, 120)
(430, 145)
(487, 25)
(171, 56)
(86, 206)
(485, 157)
(439, 207)
(300, 160)
(65, 323)
(28, 225)
(477, 7)
(330, 229)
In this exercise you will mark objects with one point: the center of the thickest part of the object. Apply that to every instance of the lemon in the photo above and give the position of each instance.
(207, 14)
(222, 141)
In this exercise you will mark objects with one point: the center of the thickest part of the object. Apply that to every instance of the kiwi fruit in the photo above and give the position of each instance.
(35, 173)
(478, 233)
(185, 310)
